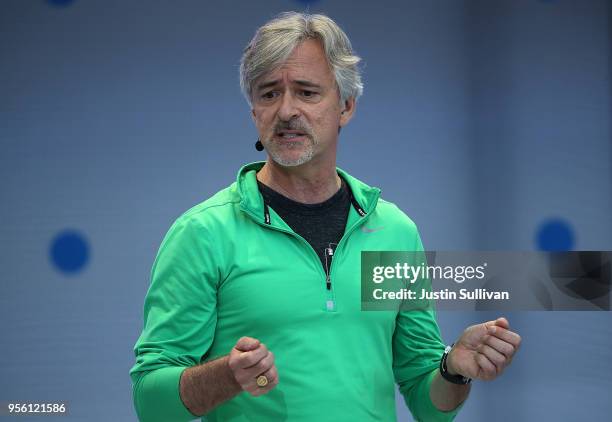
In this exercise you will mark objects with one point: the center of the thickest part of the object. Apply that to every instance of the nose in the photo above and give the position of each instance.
(288, 107)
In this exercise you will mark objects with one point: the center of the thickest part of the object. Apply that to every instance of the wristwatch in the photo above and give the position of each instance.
(455, 379)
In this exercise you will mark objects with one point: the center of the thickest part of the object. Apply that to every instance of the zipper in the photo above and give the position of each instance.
(329, 253)
(330, 304)
(330, 299)
(266, 224)
(346, 235)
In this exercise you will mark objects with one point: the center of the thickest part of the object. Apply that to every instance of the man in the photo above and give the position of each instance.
(253, 313)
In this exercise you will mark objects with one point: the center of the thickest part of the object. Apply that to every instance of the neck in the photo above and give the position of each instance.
(305, 184)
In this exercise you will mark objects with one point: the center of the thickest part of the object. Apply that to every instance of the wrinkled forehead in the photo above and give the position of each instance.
(306, 64)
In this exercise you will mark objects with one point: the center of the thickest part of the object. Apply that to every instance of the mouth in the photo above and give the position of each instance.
(290, 135)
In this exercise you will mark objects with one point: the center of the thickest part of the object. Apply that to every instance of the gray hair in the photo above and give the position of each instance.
(274, 42)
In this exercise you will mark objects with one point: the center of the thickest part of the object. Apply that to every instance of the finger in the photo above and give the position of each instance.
(487, 369)
(260, 367)
(505, 335)
(252, 387)
(246, 344)
(501, 346)
(502, 322)
(272, 376)
(494, 357)
(248, 359)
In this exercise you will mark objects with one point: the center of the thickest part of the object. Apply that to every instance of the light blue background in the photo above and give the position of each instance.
(480, 119)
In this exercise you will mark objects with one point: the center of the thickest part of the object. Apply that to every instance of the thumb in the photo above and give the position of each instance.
(246, 344)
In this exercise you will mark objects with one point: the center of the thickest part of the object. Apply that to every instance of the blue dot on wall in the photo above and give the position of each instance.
(60, 2)
(69, 251)
(555, 234)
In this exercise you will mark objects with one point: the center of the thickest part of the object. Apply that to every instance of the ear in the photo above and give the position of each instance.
(347, 113)
(253, 116)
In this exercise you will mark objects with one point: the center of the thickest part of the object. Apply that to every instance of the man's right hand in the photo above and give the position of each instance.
(249, 359)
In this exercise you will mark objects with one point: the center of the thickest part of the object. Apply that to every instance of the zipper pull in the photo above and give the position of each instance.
(329, 252)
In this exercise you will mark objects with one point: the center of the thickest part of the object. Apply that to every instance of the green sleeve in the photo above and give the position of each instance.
(156, 396)
(417, 350)
(179, 320)
(419, 402)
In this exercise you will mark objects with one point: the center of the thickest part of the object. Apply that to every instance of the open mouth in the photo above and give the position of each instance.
(290, 135)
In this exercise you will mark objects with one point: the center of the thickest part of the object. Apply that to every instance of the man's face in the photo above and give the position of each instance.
(296, 108)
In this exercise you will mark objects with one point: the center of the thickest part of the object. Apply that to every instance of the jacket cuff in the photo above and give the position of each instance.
(157, 397)
(423, 407)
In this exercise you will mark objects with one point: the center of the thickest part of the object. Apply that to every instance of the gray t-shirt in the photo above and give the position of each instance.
(322, 225)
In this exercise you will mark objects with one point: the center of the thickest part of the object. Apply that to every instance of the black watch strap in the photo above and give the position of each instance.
(455, 379)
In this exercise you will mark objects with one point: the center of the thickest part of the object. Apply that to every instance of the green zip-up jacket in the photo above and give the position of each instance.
(224, 271)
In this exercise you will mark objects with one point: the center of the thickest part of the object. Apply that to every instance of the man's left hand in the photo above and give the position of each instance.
(484, 350)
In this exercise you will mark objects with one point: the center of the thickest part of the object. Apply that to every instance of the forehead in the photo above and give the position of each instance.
(307, 62)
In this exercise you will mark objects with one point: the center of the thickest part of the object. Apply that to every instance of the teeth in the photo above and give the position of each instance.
(290, 135)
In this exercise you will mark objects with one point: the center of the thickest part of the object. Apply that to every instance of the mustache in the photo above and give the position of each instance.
(293, 124)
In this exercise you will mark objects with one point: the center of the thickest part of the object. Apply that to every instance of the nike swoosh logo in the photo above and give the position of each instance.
(371, 230)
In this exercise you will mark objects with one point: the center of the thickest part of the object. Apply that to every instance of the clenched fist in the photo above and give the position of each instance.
(484, 350)
(248, 360)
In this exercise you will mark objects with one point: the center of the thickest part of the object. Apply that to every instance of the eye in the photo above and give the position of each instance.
(269, 95)
(308, 94)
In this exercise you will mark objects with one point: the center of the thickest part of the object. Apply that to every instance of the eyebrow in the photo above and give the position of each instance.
(300, 82)
(307, 83)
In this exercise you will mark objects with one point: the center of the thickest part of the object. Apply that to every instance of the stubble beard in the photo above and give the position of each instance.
(284, 153)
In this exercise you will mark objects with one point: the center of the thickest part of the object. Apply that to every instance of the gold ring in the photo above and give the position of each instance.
(262, 381)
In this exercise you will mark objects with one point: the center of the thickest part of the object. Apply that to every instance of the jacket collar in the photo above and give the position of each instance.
(365, 197)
